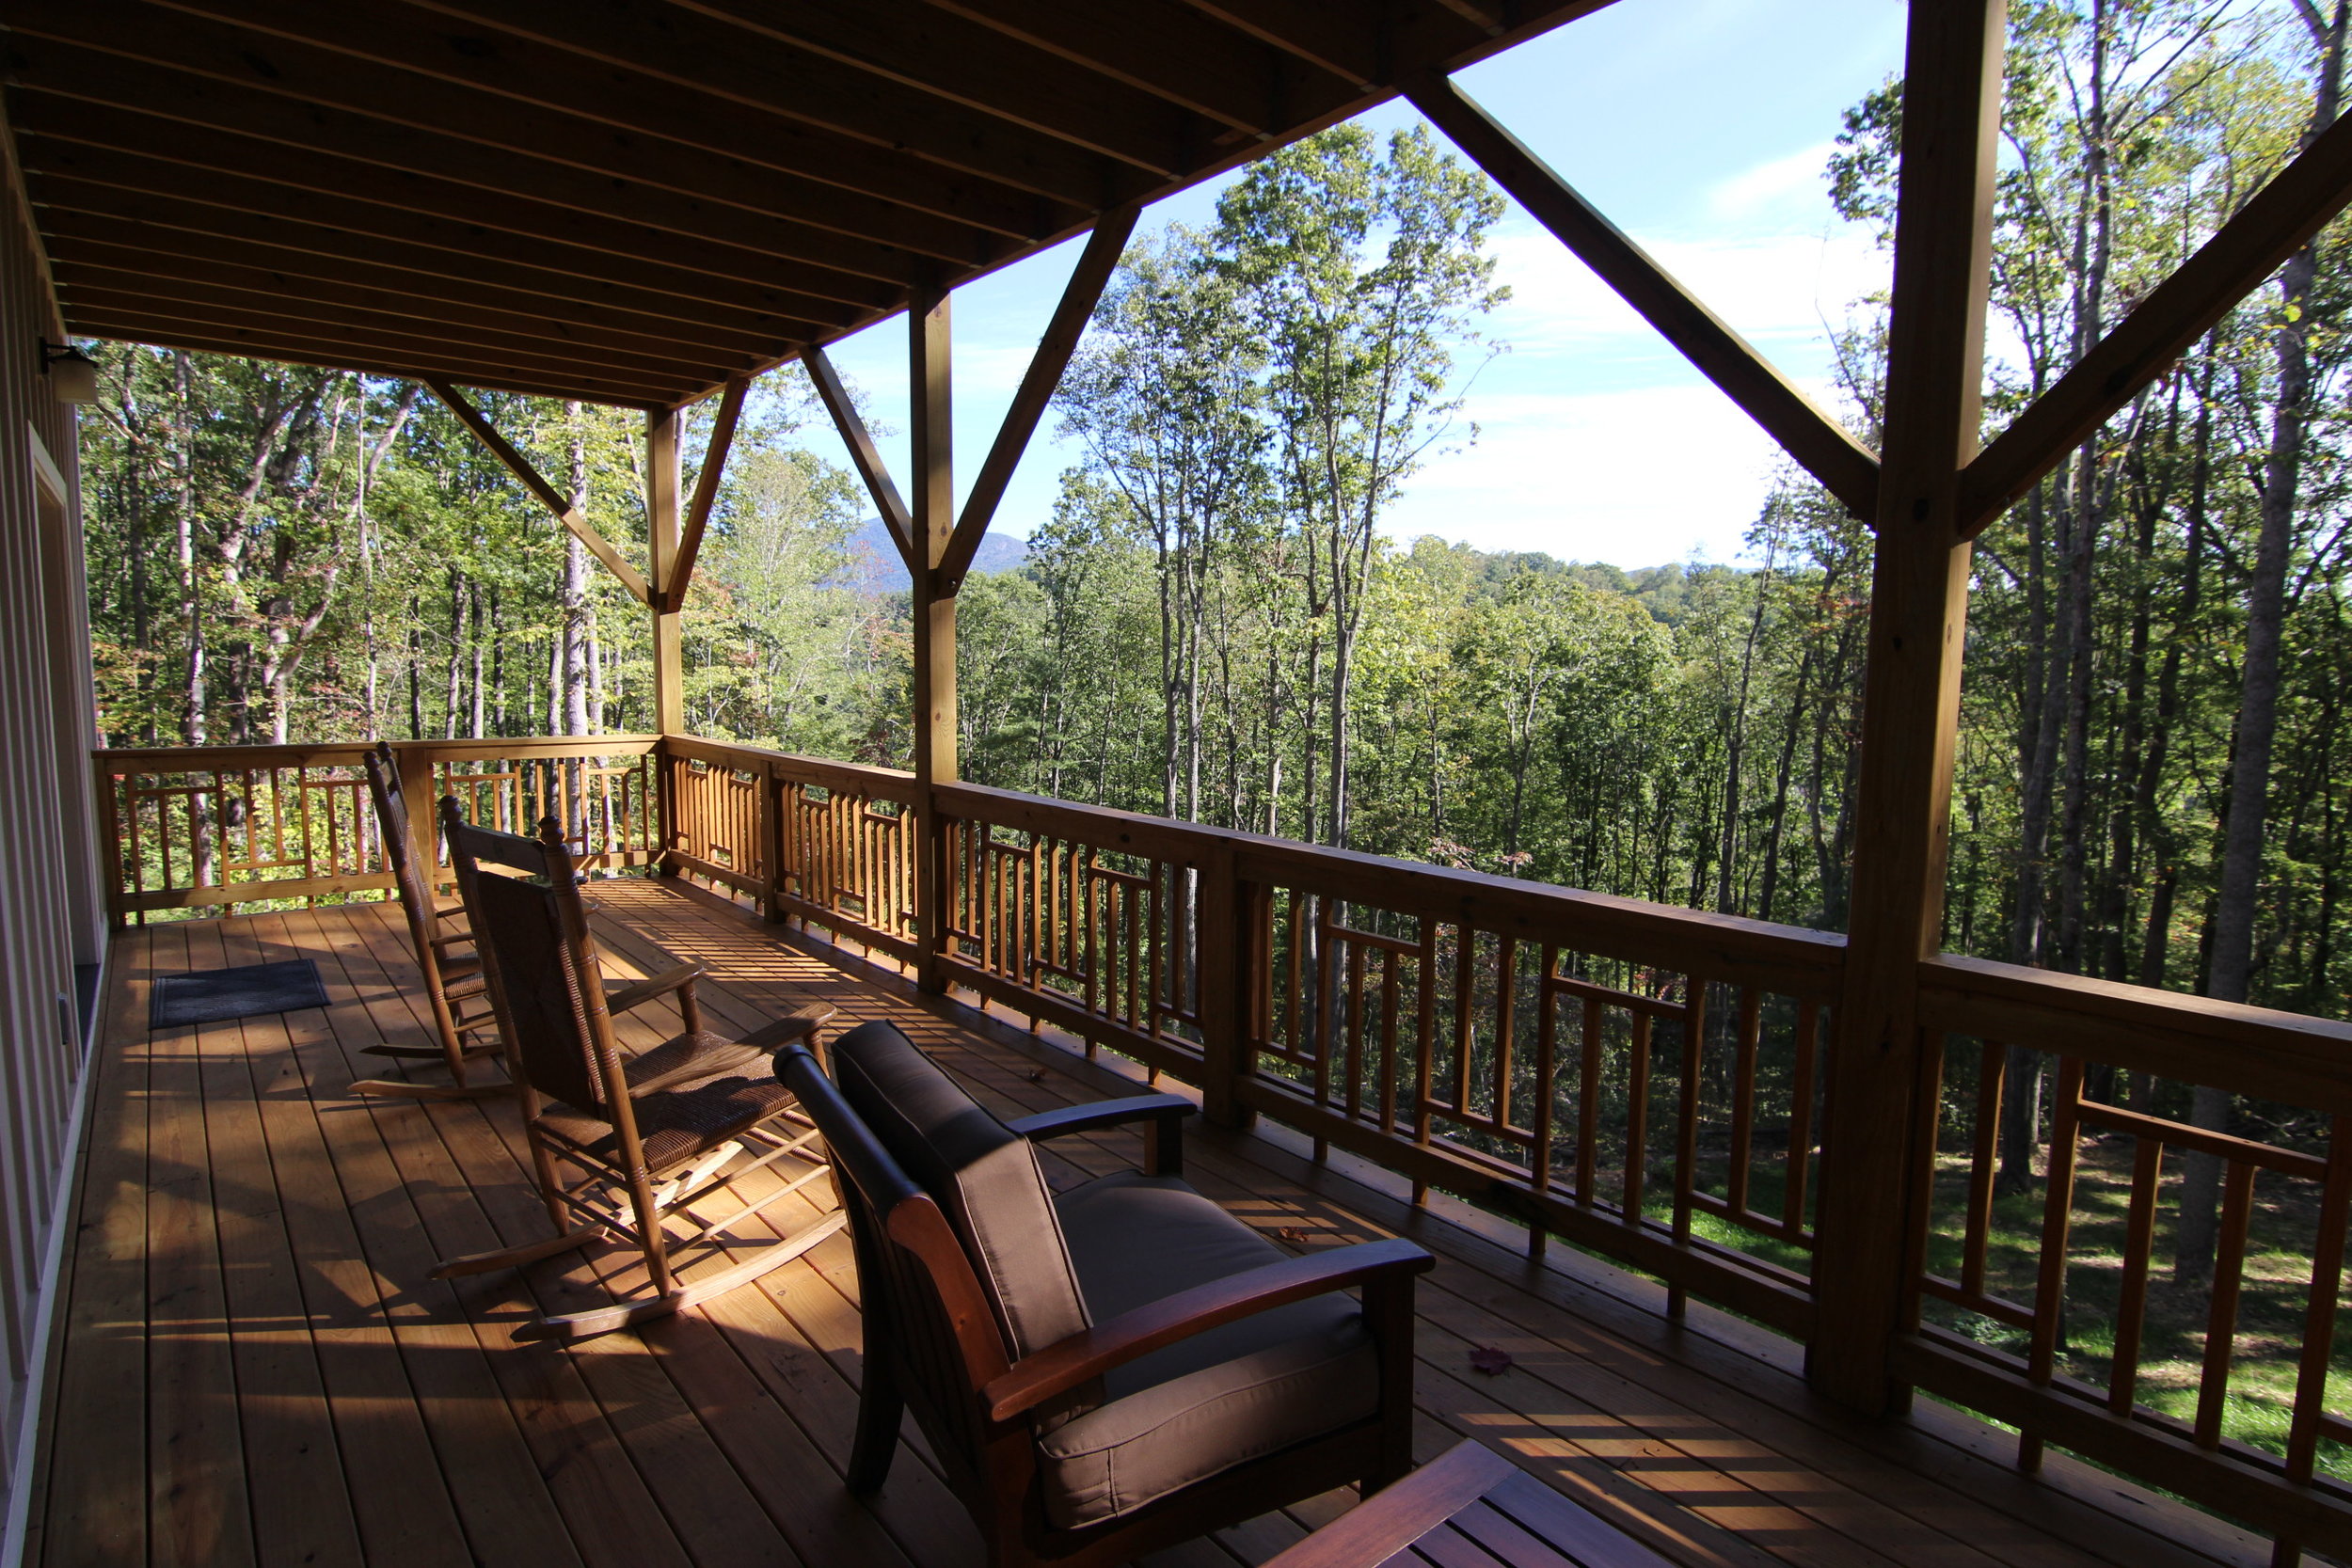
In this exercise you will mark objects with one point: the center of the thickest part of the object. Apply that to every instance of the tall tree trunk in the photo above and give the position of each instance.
(2230, 937)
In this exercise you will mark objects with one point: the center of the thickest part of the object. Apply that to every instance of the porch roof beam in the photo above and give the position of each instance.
(203, 338)
(72, 208)
(1825, 448)
(515, 232)
(99, 288)
(113, 101)
(332, 348)
(544, 60)
(681, 575)
(520, 466)
(864, 455)
(1036, 393)
(310, 53)
(2297, 202)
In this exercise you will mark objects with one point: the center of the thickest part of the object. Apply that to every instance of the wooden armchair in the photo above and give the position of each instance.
(453, 986)
(1106, 1371)
(682, 1125)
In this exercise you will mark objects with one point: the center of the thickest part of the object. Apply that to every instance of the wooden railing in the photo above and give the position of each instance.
(233, 826)
(1645, 1083)
(2112, 1192)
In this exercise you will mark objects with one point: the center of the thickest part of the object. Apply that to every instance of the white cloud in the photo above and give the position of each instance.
(1778, 190)
(1634, 478)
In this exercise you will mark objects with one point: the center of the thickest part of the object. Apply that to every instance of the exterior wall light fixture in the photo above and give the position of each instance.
(72, 374)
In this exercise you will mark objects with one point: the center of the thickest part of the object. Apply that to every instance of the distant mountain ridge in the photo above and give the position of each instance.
(876, 567)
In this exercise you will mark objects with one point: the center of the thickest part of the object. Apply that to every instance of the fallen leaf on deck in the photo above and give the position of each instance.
(1490, 1360)
(1038, 1076)
(1293, 1234)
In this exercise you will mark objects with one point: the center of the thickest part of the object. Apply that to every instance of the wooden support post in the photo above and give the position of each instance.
(932, 515)
(662, 537)
(1221, 934)
(1871, 1164)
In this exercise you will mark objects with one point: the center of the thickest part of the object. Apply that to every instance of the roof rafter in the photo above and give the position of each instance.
(588, 389)
(550, 79)
(52, 165)
(553, 500)
(158, 223)
(941, 219)
(954, 60)
(131, 131)
(106, 266)
(667, 50)
(371, 340)
(1165, 48)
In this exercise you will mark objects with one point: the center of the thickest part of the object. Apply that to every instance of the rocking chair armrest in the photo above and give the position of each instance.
(742, 1057)
(1092, 1351)
(621, 1000)
(801, 1023)
(1164, 1146)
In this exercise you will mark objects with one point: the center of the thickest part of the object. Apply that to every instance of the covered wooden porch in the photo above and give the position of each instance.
(254, 1368)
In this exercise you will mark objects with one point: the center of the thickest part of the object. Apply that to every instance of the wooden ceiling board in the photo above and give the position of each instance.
(631, 201)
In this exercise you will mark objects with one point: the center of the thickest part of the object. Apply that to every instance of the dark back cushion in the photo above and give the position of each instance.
(981, 1173)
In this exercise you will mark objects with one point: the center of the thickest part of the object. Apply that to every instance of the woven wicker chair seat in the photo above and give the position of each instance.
(675, 1124)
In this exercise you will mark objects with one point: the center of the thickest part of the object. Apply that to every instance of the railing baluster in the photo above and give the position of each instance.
(2132, 1305)
(1547, 1092)
(1687, 1125)
(1743, 1066)
(1992, 1075)
(2228, 1273)
(1637, 1117)
(1594, 1018)
(2049, 1300)
(1798, 1163)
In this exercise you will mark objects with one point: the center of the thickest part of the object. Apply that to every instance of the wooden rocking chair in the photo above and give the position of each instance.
(652, 1136)
(454, 984)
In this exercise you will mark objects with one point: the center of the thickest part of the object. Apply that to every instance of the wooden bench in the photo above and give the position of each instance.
(1468, 1507)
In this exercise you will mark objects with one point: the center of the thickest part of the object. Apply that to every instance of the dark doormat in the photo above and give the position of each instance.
(217, 995)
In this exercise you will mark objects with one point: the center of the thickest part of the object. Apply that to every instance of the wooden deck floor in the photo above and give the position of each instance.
(253, 1368)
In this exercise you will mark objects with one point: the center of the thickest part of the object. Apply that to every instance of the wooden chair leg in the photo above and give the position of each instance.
(1388, 1313)
(880, 1411)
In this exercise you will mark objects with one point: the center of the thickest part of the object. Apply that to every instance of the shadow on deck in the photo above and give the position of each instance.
(253, 1368)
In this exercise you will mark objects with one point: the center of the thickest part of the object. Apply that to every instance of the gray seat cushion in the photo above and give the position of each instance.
(1204, 1404)
(982, 1172)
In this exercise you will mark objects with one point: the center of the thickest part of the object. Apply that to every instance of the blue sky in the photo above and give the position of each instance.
(1701, 127)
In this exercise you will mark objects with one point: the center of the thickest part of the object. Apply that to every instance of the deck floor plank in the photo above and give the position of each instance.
(199, 1489)
(254, 1367)
(612, 1516)
(378, 1423)
(92, 1507)
(507, 1505)
(303, 1514)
